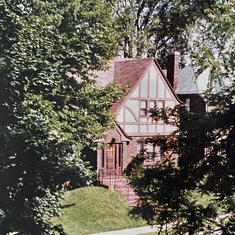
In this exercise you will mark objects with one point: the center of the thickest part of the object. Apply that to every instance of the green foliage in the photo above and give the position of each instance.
(153, 27)
(202, 31)
(205, 146)
(135, 167)
(212, 41)
(50, 108)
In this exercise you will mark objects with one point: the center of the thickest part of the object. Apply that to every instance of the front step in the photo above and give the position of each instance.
(116, 182)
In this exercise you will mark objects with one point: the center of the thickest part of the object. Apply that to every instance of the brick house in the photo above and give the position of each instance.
(149, 87)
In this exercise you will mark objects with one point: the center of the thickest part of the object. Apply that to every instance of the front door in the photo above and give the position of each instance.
(112, 159)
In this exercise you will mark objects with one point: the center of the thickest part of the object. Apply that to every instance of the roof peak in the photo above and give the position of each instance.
(117, 59)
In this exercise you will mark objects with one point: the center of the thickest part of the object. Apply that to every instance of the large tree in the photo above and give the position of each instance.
(50, 108)
(166, 191)
(151, 28)
(212, 41)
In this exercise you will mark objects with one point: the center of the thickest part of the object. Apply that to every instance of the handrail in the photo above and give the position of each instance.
(113, 178)
(121, 190)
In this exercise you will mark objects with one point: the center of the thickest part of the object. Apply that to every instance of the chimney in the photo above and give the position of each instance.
(173, 68)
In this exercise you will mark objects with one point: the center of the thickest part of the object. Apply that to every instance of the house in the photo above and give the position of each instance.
(149, 87)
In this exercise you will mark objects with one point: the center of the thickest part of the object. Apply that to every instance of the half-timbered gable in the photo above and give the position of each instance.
(149, 88)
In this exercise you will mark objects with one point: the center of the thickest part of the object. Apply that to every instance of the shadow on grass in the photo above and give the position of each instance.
(69, 205)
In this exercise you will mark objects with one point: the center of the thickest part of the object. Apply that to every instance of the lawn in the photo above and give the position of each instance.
(93, 209)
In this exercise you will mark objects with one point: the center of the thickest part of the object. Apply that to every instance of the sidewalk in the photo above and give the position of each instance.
(131, 231)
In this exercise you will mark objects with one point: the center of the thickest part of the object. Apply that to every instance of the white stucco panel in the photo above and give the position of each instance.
(129, 116)
(144, 86)
(131, 129)
(120, 116)
(161, 88)
(135, 93)
(153, 82)
(169, 103)
(133, 105)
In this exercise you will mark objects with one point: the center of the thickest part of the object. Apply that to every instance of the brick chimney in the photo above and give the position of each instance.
(173, 68)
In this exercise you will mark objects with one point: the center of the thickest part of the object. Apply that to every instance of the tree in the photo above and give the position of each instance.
(212, 42)
(166, 191)
(150, 28)
(50, 108)
(197, 29)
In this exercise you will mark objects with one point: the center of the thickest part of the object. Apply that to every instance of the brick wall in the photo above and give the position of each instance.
(129, 151)
(197, 104)
(173, 68)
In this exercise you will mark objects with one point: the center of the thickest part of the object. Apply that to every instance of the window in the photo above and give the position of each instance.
(152, 104)
(140, 147)
(143, 108)
(160, 104)
(151, 152)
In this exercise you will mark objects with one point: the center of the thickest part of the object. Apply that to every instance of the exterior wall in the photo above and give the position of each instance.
(151, 90)
(197, 104)
(129, 151)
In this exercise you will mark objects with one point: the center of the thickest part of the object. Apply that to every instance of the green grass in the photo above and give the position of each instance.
(93, 209)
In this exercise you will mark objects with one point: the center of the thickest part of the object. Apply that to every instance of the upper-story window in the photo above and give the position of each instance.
(152, 104)
(145, 106)
(160, 104)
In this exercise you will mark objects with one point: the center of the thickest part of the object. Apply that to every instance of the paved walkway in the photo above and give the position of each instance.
(131, 231)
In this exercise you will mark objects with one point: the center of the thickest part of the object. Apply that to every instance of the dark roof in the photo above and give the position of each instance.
(186, 83)
(127, 72)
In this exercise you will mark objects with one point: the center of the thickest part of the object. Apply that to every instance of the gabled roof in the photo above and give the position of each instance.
(123, 135)
(127, 72)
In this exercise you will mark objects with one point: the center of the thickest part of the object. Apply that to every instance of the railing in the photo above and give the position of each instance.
(109, 177)
(114, 180)
(125, 187)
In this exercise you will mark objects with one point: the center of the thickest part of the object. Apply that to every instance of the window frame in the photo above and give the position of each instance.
(143, 110)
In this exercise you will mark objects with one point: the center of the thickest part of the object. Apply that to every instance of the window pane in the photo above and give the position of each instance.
(152, 103)
(187, 103)
(140, 147)
(160, 104)
(143, 104)
(143, 108)
(143, 112)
